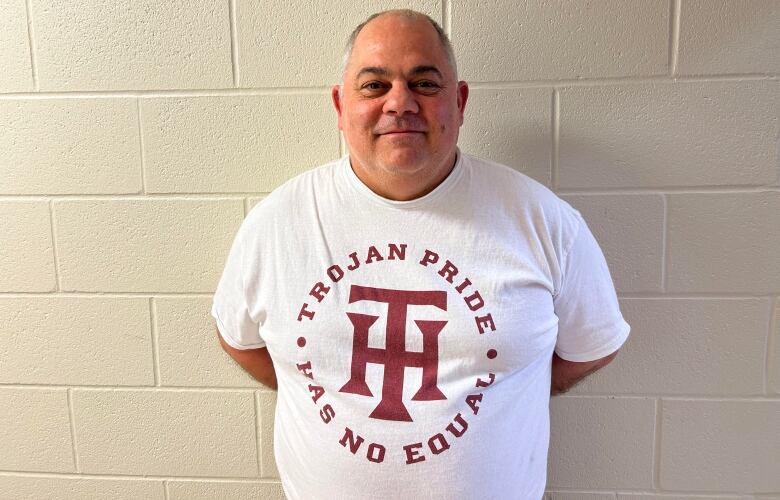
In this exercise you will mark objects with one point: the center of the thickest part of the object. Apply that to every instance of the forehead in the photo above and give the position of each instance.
(393, 41)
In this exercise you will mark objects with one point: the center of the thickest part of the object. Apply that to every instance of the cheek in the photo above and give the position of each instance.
(364, 115)
(445, 117)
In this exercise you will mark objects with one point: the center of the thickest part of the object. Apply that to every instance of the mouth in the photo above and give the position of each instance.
(401, 133)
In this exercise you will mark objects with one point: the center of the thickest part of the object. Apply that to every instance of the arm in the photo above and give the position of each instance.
(255, 361)
(567, 373)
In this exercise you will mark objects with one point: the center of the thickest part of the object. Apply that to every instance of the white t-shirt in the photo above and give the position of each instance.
(412, 340)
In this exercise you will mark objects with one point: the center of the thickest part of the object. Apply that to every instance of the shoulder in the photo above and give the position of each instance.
(279, 207)
(297, 190)
(522, 195)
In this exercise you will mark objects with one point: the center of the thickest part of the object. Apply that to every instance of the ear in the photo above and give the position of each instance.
(463, 96)
(335, 95)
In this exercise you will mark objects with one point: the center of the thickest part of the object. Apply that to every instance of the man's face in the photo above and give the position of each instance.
(400, 106)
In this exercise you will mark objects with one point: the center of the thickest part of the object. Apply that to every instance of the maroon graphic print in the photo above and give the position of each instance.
(394, 356)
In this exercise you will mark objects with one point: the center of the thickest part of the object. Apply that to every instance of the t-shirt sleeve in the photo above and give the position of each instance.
(590, 324)
(229, 307)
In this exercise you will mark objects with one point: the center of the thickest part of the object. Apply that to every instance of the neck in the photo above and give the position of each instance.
(403, 187)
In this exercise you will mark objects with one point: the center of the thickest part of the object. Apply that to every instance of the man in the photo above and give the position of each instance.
(416, 306)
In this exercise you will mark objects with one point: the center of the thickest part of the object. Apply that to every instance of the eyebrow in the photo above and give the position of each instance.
(417, 70)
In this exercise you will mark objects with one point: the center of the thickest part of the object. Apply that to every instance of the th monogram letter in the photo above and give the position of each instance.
(394, 356)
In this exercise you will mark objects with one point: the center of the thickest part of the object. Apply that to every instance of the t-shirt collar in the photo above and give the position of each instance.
(364, 190)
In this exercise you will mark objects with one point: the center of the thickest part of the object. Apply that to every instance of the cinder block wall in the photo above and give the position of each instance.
(135, 135)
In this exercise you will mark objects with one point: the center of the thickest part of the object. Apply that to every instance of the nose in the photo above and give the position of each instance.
(400, 100)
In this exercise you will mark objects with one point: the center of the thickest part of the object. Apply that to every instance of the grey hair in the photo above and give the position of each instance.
(407, 14)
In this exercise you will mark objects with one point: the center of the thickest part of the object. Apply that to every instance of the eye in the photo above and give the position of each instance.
(426, 86)
(371, 86)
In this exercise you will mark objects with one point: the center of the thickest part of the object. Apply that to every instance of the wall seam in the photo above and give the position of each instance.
(657, 445)
(723, 189)
(777, 156)
(664, 241)
(104, 294)
(167, 93)
(556, 137)
(155, 341)
(74, 446)
(139, 196)
(233, 42)
(57, 278)
(587, 491)
(192, 295)
(31, 43)
(231, 196)
(774, 319)
(136, 388)
(325, 90)
(166, 493)
(446, 18)
(758, 398)
(674, 36)
(141, 145)
(150, 477)
(258, 435)
(667, 494)
(692, 295)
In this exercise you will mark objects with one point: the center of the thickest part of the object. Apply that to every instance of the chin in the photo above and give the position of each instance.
(404, 163)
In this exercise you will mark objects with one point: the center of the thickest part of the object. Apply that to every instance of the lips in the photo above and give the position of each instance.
(401, 132)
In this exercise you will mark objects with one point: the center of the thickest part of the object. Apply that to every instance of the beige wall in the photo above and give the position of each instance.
(134, 136)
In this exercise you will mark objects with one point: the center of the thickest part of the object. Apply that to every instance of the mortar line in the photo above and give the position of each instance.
(725, 189)
(155, 341)
(325, 90)
(446, 17)
(88, 295)
(141, 145)
(774, 324)
(233, 41)
(31, 41)
(223, 196)
(562, 489)
(214, 196)
(136, 388)
(166, 493)
(556, 134)
(664, 240)
(674, 36)
(657, 444)
(130, 477)
(695, 295)
(166, 94)
(74, 447)
(248, 480)
(623, 80)
(57, 277)
(258, 436)
(758, 398)
(777, 147)
(665, 494)
(191, 295)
